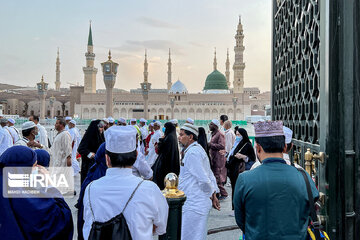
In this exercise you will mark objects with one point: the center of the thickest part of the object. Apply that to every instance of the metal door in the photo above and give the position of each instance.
(315, 92)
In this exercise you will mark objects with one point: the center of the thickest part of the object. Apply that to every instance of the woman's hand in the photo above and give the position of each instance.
(222, 152)
(240, 156)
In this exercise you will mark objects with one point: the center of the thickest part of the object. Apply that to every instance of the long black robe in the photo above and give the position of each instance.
(90, 143)
(168, 160)
(236, 165)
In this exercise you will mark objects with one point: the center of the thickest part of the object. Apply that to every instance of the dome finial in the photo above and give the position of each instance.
(109, 55)
(215, 62)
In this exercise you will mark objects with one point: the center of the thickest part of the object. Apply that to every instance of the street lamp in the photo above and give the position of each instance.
(42, 88)
(235, 101)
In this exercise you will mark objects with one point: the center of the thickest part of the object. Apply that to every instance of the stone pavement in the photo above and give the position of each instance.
(216, 219)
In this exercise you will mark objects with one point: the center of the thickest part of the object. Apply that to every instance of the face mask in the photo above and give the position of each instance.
(238, 138)
(163, 129)
(35, 170)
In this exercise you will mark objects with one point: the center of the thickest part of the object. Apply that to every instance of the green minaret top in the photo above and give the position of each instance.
(90, 42)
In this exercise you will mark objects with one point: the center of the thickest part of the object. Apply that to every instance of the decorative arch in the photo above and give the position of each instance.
(255, 107)
(230, 113)
(207, 114)
(191, 113)
(130, 113)
(239, 115)
(101, 113)
(168, 112)
(215, 114)
(153, 113)
(199, 115)
(116, 113)
(93, 113)
(183, 113)
(86, 113)
(222, 112)
(177, 114)
(123, 113)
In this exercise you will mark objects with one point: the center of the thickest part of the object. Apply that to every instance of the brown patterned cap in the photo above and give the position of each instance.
(269, 129)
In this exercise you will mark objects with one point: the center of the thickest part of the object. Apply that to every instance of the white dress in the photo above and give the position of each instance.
(109, 194)
(141, 168)
(198, 183)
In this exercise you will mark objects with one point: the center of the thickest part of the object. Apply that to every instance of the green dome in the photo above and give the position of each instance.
(216, 80)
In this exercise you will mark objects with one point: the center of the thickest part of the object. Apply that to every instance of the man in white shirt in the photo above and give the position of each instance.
(111, 121)
(229, 136)
(61, 149)
(6, 140)
(199, 185)
(13, 131)
(67, 120)
(42, 137)
(146, 212)
(75, 141)
(152, 155)
(122, 122)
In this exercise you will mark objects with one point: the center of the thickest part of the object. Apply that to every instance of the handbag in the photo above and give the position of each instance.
(314, 231)
(115, 228)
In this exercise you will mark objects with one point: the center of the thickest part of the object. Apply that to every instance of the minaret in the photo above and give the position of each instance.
(169, 83)
(145, 87)
(146, 74)
(57, 81)
(239, 64)
(227, 72)
(215, 62)
(90, 71)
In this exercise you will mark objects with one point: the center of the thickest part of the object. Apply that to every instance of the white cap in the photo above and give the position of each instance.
(158, 123)
(174, 121)
(152, 124)
(288, 134)
(191, 128)
(143, 120)
(28, 125)
(120, 139)
(68, 118)
(216, 122)
(189, 120)
(122, 120)
(73, 121)
(106, 120)
(111, 120)
(133, 120)
(12, 121)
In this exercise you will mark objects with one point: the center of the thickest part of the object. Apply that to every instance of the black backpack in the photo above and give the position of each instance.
(115, 228)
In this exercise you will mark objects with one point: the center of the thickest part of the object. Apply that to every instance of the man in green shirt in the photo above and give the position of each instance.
(271, 201)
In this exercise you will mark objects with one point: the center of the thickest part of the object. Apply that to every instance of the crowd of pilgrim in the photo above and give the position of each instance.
(123, 165)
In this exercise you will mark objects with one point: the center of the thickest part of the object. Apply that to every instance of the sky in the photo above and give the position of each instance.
(31, 32)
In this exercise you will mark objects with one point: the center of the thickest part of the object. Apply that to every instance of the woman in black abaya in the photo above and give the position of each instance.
(168, 159)
(93, 138)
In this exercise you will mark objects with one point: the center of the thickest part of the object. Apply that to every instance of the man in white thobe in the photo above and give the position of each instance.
(229, 136)
(61, 149)
(146, 213)
(75, 137)
(6, 140)
(67, 120)
(151, 157)
(42, 137)
(144, 133)
(12, 130)
(199, 185)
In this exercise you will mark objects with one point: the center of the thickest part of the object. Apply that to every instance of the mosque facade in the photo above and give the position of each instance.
(220, 94)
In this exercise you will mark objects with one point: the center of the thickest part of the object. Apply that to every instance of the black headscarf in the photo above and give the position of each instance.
(90, 143)
(245, 147)
(168, 160)
(202, 139)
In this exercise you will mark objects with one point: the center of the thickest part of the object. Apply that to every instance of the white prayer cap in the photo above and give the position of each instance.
(216, 122)
(152, 124)
(73, 121)
(120, 139)
(174, 121)
(122, 120)
(12, 121)
(68, 118)
(158, 123)
(106, 120)
(189, 120)
(143, 120)
(111, 120)
(288, 134)
(28, 125)
(191, 128)
(133, 120)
